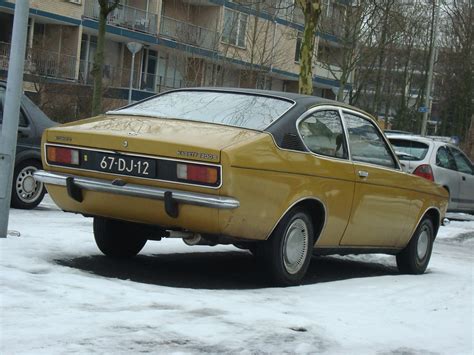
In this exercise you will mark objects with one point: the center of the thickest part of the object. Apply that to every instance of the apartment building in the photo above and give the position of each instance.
(185, 43)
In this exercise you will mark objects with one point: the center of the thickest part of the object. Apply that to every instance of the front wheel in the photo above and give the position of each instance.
(415, 257)
(118, 239)
(288, 251)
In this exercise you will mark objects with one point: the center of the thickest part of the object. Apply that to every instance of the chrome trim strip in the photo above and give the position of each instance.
(293, 205)
(346, 133)
(155, 193)
(196, 162)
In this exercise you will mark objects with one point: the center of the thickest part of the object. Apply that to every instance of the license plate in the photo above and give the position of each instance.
(121, 164)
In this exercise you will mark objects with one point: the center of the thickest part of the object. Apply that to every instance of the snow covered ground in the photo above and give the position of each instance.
(60, 295)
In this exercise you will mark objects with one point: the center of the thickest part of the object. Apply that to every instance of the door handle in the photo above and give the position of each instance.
(363, 173)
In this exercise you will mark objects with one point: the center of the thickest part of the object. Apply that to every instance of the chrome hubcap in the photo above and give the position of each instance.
(295, 246)
(27, 188)
(422, 246)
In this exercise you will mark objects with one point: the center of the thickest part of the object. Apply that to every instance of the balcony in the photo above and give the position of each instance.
(42, 62)
(117, 77)
(189, 34)
(125, 16)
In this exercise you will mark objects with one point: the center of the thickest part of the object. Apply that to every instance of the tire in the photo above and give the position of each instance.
(415, 257)
(27, 193)
(118, 239)
(288, 251)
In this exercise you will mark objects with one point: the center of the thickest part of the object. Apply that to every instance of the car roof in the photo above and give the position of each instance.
(301, 100)
(416, 138)
(412, 137)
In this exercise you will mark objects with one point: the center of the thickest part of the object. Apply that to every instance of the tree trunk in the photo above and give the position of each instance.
(105, 8)
(98, 67)
(311, 10)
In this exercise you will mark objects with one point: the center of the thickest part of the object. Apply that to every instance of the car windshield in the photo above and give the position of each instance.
(233, 109)
(409, 150)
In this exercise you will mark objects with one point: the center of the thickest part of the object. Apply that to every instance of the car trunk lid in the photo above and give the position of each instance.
(151, 136)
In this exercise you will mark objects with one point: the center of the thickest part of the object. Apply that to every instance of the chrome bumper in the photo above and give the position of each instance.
(155, 193)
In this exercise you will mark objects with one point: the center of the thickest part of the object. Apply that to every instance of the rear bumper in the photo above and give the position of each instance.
(75, 184)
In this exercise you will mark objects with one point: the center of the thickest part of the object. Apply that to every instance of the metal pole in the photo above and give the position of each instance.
(11, 111)
(131, 80)
(434, 36)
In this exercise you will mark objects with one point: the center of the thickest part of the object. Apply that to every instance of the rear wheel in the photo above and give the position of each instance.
(27, 193)
(415, 257)
(288, 251)
(118, 239)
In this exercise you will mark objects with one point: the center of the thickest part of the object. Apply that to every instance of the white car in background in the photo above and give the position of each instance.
(441, 162)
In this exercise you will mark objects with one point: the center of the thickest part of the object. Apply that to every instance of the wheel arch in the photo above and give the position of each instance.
(435, 216)
(316, 211)
(29, 154)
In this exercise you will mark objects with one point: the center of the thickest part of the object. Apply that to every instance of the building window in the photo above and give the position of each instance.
(299, 39)
(235, 25)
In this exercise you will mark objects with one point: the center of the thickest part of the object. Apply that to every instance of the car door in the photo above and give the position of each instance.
(466, 180)
(322, 132)
(382, 209)
(446, 174)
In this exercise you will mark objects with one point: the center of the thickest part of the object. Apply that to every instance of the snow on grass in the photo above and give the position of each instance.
(60, 295)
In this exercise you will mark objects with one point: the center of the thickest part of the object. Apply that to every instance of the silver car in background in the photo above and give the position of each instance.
(441, 162)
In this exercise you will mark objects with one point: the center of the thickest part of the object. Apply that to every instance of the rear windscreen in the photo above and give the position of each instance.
(410, 150)
(233, 109)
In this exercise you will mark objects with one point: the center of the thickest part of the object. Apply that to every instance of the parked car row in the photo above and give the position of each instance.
(440, 162)
(27, 193)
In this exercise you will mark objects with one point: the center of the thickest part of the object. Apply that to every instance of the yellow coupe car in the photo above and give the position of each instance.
(286, 176)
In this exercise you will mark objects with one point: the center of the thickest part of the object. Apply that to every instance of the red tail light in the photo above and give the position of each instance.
(424, 171)
(60, 155)
(198, 173)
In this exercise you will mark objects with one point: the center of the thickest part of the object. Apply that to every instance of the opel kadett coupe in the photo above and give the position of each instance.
(286, 176)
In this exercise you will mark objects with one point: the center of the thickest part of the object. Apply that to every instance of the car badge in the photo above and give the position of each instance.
(125, 144)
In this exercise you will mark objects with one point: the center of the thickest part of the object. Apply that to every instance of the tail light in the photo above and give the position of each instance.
(197, 173)
(424, 171)
(61, 155)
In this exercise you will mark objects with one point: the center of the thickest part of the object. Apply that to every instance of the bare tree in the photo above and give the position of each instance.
(311, 12)
(390, 75)
(353, 25)
(259, 47)
(105, 8)
(455, 89)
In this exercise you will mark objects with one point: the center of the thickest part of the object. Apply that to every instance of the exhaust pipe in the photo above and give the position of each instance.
(195, 239)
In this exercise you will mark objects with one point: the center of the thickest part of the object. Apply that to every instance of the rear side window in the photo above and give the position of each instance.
(366, 143)
(445, 159)
(322, 133)
(410, 150)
